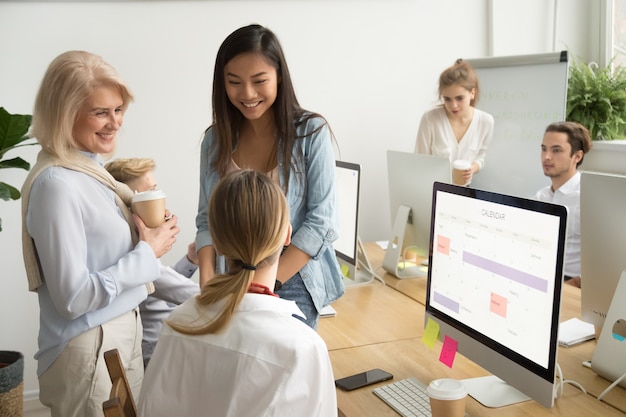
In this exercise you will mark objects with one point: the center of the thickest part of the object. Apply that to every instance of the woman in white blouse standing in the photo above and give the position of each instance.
(457, 129)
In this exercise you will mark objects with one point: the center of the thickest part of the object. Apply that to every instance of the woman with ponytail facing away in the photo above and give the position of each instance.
(236, 349)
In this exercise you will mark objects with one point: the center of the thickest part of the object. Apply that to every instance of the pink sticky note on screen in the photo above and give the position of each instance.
(443, 245)
(448, 351)
(498, 304)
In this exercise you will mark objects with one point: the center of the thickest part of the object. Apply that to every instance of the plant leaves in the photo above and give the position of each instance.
(13, 128)
(8, 192)
(15, 163)
(596, 98)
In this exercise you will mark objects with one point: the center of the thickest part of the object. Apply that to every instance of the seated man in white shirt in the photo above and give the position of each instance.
(173, 286)
(236, 350)
(563, 148)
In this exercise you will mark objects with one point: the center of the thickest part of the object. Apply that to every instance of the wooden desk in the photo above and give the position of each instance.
(406, 358)
(372, 313)
(411, 287)
(384, 315)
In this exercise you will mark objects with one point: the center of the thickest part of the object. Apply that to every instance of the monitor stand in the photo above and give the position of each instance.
(394, 262)
(361, 273)
(493, 392)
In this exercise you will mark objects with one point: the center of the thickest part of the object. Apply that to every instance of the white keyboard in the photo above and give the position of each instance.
(407, 397)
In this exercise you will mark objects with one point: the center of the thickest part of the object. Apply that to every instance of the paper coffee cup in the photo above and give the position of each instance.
(150, 206)
(458, 167)
(447, 398)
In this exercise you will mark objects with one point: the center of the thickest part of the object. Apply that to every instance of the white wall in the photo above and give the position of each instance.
(369, 66)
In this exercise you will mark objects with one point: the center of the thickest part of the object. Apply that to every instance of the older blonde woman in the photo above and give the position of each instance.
(86, 256)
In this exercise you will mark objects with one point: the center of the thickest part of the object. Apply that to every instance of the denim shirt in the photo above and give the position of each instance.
(312, 203)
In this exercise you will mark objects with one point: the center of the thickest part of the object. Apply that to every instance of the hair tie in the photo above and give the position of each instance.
(248, 267)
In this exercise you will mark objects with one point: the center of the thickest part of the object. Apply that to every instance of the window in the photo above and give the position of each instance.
(616, 16)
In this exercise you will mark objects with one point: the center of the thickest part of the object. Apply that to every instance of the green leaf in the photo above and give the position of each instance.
(15, 163)
(13, 128)
(8, 192)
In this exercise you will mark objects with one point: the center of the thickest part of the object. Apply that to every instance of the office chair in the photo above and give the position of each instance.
(121, 402)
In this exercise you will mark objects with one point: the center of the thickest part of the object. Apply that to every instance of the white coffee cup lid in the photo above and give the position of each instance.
(461, 164)
(446, 389)
(148, 195)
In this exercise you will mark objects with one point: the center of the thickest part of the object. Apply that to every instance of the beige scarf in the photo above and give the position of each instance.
(76, 162)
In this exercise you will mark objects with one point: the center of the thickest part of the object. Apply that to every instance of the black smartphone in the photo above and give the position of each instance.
(363, 379)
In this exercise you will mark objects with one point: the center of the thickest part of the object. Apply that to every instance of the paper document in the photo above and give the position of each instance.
(575, 331)
(328, 311)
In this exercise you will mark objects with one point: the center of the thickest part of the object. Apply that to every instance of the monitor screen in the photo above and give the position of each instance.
(352, 259)
(411, 177)
(602, 241)
(347, 181)
(494, 283)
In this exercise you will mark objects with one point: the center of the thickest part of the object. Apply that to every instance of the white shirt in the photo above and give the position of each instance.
(266, 363)
(436, 137)
(568, 195)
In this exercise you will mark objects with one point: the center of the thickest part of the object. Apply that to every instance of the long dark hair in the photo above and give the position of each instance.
(227, 119)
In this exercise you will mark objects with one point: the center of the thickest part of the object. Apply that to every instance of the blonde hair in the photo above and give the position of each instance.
(461, 73)
(249, 219)
(128, 169)
(68, 82)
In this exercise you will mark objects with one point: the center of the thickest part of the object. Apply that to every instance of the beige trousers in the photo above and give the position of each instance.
(77, 382)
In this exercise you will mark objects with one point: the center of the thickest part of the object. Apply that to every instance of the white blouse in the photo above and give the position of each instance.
(265, 363)
(436, 137)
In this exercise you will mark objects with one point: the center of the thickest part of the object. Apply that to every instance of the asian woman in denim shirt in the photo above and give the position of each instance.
(258, 124)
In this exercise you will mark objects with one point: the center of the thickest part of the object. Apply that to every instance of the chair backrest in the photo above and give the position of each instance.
(121, 402)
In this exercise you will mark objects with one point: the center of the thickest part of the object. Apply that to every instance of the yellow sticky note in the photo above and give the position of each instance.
(345, 270)
(431, 333)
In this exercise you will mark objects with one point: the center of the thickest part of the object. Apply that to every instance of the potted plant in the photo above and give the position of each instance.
(13, 134)
(596, 98)
(11, 383)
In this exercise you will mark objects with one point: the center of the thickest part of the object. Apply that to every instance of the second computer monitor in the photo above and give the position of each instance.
(602, 241)
(411, 177)
(352, 259)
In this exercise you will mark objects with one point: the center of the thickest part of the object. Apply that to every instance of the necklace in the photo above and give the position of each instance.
(255, 288)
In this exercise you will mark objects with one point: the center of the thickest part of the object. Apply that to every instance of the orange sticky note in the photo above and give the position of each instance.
(448, 351)
(431, 333)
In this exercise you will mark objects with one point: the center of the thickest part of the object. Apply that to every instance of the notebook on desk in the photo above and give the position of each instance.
(575, 331)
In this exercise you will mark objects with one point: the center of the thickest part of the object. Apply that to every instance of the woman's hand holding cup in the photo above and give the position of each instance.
(160, 238)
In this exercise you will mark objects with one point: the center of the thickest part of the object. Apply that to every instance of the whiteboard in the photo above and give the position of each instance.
(524, 94)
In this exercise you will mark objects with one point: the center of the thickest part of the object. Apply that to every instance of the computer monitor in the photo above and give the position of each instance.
(602, 241)
(352, 259)
(494, 286)
(411, 177)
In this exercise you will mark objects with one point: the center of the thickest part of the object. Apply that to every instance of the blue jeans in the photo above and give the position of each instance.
(295, 290)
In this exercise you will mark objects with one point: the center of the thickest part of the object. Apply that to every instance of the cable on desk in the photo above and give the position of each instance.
(378, 277)
(610, 387)
(558, 388)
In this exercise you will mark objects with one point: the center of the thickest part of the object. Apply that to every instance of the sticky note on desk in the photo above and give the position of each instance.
(431, 333)
(448, 351)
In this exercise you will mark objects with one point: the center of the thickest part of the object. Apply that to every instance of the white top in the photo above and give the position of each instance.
(265, 363)
(568, 195)
(436, 137)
